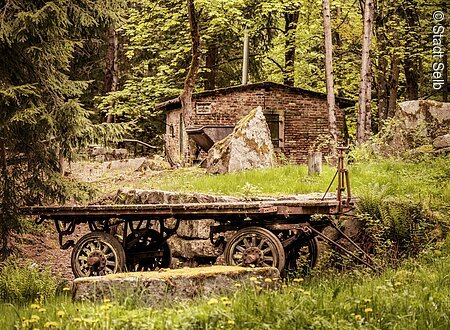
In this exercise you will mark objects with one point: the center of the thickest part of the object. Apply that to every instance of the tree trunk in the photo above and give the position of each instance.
(112, 66)
(290, 19)
(329, 72)
(382, 90)
(8, 207)
(211, 61)
(393, 86)
(412, 78)
(364, 94)
(411, 61)
(189, 82)
(314, 163)
(368, 119)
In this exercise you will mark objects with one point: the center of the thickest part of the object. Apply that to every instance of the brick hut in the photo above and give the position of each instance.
(296, 117)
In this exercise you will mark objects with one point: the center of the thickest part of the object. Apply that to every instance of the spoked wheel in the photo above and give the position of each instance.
(146, 250)
(302, 257)
(97, 254)
(255, 247)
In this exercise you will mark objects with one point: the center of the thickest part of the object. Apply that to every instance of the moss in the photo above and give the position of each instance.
(166, 274)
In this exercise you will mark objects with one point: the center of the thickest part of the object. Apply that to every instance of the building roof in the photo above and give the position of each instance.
(176, 102)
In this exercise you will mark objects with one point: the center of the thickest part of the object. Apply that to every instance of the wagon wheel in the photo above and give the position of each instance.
(96, 254)
(255, 247)
(147, 251)
(302, 257)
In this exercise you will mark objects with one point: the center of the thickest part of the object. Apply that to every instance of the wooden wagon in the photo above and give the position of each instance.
(281, 233)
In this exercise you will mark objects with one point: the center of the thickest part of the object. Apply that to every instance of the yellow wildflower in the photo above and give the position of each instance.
(105, 307)
(42, 310)
(77, 319)
(367, 300)
(224, 298)
(60, 314)
(66, 289)
(298, 280)
(252, 279)
(50, 325)
(237, 285)
(212, 301)
(35, 306)
(230, 322)
(368, 310)
(106, 300)
(358, 317)
(268, 280)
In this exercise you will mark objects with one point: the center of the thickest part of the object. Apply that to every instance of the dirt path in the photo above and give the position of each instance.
(44, 250)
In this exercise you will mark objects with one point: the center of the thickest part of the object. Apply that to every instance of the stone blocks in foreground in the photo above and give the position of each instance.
(158, 288)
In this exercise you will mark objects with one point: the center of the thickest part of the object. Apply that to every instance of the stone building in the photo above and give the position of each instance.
(297, 119)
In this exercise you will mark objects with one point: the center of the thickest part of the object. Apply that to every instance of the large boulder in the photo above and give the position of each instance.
(193, 248)
(442, 142)
(249, 146)
(102, 154)
(415, 125)
(424, 115)
(140, 196)
(191, 243)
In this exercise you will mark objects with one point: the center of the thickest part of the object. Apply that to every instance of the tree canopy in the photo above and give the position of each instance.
(65, 64)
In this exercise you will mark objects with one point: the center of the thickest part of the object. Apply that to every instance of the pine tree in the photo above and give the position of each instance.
(41, 118)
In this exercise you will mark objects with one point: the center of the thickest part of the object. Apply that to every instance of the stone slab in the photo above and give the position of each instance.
(161, 287)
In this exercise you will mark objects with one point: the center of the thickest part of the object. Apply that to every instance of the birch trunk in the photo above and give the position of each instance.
(329, 72)
(365, 79)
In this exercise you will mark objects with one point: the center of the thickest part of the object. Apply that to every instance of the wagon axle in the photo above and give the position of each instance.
(96, 260)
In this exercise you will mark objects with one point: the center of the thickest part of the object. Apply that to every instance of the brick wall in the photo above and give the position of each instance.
(305, 115)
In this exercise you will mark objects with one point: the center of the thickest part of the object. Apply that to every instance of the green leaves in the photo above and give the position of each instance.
(41, 117)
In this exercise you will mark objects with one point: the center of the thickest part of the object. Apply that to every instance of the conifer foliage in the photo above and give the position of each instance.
(41, 118)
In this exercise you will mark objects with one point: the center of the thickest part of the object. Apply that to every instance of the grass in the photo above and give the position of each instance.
(427, 181)
(412, 295)
(415, 295)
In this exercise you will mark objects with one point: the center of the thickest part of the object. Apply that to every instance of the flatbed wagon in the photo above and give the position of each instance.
(281, 233)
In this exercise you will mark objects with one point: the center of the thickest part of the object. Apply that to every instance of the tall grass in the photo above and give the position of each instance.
(414, 296)
(427, 181)
(24, 282)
